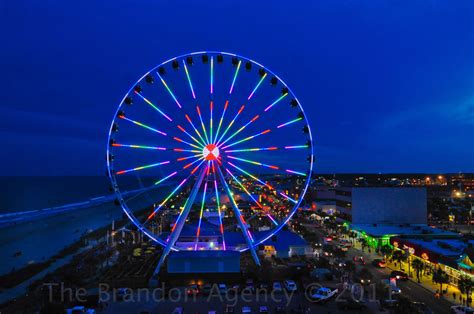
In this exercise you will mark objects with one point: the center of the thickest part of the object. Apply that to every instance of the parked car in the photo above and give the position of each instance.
(290, 285)
(351, 304)
(277, 287)
(400, 275)
(322, 294)
(380, 263)
(246, 310)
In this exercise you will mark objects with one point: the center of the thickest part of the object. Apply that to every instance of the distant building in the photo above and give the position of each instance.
(382, 205)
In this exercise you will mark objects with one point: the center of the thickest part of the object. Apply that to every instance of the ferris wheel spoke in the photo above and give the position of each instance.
(142, 125)
(235, 77)
(212, 76)
(185, 142)
(221, 119)
(202, 124)
(254, 162)
(192, 137)
(267, 166)
(139, 146)
(167, 198)
(178, 226)
(251, 149)
(142, 167)
(194, 128)
(221, 226)
(256, 149)
(169, 90)
(276, 102)
(239, 130)
(240, 219)
(289, 122)
(189, 157)
(251, 196)
(257, 86)
(189, 80)
(247, 139)
(153, 106)
(262, 182)
(211, 108)
(231, 123)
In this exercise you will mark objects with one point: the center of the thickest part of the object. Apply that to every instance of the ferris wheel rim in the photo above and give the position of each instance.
(119, 194)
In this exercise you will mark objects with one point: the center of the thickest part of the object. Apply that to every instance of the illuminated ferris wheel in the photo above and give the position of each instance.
(210, 151)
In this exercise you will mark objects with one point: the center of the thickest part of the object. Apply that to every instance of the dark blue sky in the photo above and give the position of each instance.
(388, 86)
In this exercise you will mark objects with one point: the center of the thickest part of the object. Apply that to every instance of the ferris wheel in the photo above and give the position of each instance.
(210, 151)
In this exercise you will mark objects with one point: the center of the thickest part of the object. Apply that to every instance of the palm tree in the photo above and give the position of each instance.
(440, 277)
(465, 286)
(363, 243)
(418, 267)
(386, 251)
(399, 256)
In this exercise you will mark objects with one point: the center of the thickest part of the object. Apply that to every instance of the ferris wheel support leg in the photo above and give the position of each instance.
(237, 214)
(181, 220)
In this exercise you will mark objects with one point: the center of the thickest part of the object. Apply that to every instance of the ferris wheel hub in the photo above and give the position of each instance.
(210, 152)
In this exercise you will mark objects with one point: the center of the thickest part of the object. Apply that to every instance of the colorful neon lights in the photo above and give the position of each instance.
(169, 90)
(289, 122)
(143, 125)
(231, 123)
(142, 167)
(153, 106)
(202, 124)
(138, 146)
(258, 85)
(253, 162)
(212, 75)
(239, 130)
(235, 77)
(296, 147)
(195, 129)
(189, 79)
(296, 172)
(166, 178)
(276, 102)
(247, 139)
(250, 149)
